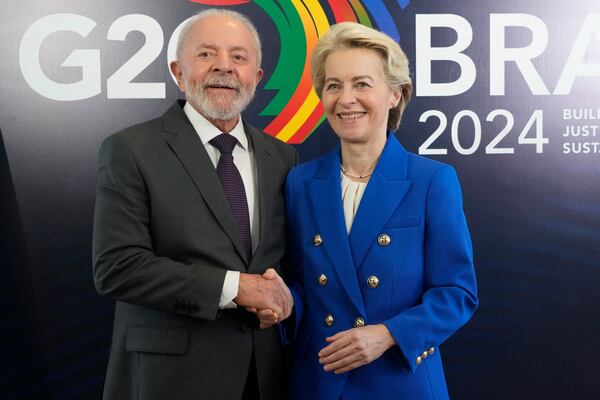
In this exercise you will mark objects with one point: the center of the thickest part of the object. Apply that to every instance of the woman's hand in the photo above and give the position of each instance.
(266, 317)
(355, 347)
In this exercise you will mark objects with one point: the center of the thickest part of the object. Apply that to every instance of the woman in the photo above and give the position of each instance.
(380, 260)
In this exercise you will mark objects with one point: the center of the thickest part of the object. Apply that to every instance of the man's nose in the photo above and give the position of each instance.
(222, 62)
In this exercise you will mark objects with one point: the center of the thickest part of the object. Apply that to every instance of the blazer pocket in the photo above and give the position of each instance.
(403, 221)
(157, 339)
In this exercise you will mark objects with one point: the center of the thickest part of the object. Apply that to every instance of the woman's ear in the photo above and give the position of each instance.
(395, 98)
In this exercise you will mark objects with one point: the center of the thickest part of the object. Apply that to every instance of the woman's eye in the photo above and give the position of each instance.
(362, 84)
(332, 86)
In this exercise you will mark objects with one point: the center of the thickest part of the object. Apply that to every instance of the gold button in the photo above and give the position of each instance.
(322, 279)
(329, 320)
(373, 281)
(418, 360)
(424, 355)
(358, 322)
(384, 239)
(317, 241)
(431, 350)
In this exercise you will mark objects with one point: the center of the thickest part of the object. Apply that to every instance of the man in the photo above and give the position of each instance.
(189, 216)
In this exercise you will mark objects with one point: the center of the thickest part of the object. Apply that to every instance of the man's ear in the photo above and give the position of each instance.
(259, 75)
(178, 74)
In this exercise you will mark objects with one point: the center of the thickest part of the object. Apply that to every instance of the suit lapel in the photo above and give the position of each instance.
(188, 147)
(265, 175)
(326, 201)
(384, 192)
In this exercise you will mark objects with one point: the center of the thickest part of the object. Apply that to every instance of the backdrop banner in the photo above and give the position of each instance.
(508, 92)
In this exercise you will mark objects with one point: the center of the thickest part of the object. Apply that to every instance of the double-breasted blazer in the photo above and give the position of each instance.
(406, 263)
(164, 237)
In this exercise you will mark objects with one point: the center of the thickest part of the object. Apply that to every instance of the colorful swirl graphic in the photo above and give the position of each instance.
(296, 108)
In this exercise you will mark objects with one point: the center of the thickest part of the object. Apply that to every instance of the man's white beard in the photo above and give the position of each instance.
(220, 106)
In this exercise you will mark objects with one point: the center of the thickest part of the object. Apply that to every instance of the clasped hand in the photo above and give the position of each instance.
(265, 295)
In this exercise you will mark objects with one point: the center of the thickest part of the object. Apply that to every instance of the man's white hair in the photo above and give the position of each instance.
(218, 11)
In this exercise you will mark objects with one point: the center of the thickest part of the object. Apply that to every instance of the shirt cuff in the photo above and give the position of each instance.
(230, 290)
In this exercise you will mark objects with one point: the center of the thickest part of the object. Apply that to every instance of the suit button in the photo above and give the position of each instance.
(358, 322)
(322, 279)
(329, 320)
(418, 361)
(431, 350)
(244, 327)
(373, 281)
(424, 355)
(317, 241)
(384, 239)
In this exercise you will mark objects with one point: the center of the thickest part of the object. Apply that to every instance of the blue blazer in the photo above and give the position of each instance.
(407, 263)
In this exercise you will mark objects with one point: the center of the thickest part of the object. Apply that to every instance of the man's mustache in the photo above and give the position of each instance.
(222, 82)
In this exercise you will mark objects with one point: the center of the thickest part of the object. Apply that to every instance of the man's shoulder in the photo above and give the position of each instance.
(278, 143)
(139, 131)
(286, 150)
(142, 133)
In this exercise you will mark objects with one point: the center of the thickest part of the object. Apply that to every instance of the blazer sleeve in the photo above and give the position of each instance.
(450, 290)
(292, 263)
(125, 266)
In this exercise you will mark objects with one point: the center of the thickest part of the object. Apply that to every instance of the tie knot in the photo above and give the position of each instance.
(224, 142)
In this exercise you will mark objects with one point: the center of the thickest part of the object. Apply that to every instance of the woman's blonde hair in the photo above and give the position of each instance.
(350, 35)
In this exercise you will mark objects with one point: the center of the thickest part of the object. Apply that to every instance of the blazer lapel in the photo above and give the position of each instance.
(326, 201)
(384, 192)
(188, 147)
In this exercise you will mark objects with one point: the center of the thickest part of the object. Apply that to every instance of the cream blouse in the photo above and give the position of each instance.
(352, 193)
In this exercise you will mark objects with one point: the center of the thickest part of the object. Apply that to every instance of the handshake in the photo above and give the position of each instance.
(265, 295)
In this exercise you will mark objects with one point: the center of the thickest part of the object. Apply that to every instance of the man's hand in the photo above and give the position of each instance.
(355, 347)
(265, 295)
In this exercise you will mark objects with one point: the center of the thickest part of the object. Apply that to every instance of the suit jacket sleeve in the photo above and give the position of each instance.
(125, 265)
(449, 297)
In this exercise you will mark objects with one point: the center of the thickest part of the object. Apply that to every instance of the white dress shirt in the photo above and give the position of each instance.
(243, 158)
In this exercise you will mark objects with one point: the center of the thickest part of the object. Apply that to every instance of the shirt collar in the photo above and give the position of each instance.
(207, 131)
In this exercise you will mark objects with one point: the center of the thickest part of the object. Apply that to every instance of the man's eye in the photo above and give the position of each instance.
(205, 54)
(239, 58)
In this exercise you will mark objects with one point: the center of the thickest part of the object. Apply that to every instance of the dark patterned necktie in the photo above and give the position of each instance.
(234, 187)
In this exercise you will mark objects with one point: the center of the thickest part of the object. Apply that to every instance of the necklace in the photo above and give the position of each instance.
(349, 175)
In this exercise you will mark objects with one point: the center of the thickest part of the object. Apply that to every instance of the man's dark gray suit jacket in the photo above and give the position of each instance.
(164, 237)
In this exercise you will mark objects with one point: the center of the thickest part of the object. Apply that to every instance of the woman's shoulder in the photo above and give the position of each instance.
(420, 165)
(308, 169)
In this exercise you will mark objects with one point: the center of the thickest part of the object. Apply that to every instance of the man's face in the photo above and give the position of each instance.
(218, 70)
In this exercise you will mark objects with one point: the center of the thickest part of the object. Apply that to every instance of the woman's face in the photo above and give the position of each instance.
(356, 96)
